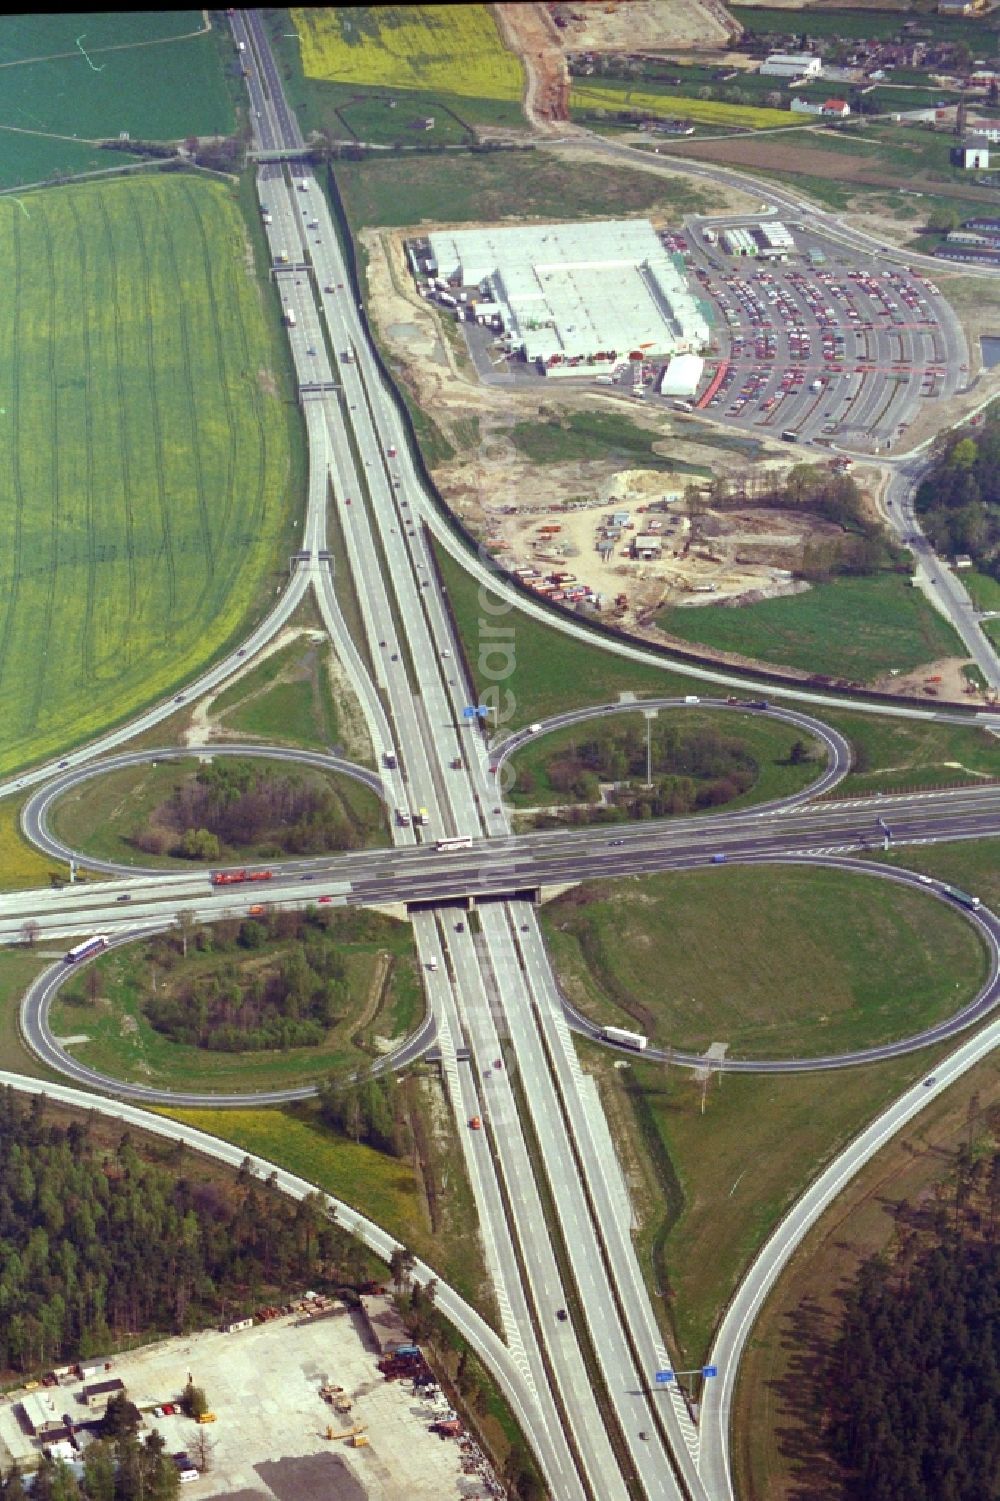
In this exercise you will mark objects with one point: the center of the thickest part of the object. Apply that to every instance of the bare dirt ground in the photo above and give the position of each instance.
(643, 25)
(529, 32)
(943, 679)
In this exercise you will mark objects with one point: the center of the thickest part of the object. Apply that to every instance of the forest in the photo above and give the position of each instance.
(238, 804)
(98, 1242)
(114, 1469)
(691, 769)
(913, 1387)
(958, 501)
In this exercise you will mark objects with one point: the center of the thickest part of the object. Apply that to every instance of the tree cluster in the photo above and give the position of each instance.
(113, 1470)
(695, 768)
(864, 546)
(913, 1387)
(288, 1000)
(97, 1243)
(367, 1111)
(240, 804)
(958, 500)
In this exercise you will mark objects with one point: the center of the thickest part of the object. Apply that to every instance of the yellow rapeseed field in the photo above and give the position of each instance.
(670, 106)
(447, 49)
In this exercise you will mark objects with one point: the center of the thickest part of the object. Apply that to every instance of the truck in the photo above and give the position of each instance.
(389, 760)
(267, 217)
(402, 818)
(447, 300)
(816, 386)
(348, 356)
(963, 898)
(625, 1039)
(423, 817)
(242, 46)
(391, 450)
(289, 317)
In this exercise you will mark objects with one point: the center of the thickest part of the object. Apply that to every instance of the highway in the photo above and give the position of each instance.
(412, 652)
(551, 1205)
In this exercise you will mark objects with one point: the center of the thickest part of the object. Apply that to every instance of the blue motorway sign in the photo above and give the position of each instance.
(710, 1370)
(662, 1377)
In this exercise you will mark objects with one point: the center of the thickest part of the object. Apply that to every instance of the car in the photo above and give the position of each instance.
(179, 699)
(347, 501)
(718, 859)
(63, 764)
(446, 653)
(475, 1124)
(460, 927)
(614, 842)
(395, 656)
(310, 875)
(562, 1315)
(169, 1409)
(643, 1433)
(498, 1063)
(242, 652)
(930, 1081)
(524, 927)
(324, 899)
(381, 643)
(125, 897)
(157, 1412)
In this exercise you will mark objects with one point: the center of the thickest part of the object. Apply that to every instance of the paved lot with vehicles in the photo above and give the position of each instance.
(269, 1436)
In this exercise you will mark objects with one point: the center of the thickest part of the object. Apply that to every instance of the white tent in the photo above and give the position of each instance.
(683, 375)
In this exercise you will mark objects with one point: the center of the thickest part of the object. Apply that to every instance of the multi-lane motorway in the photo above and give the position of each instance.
(549, 1195)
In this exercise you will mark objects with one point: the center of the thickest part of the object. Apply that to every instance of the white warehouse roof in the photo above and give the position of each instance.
(570, 292)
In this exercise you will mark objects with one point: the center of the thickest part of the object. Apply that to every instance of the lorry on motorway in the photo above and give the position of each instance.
(389, 760)
(267, 217)
(237, 877)
(402, 818)
(289, 317)
(962, 898)
(391, 450)
(625, 1039)
(348, 356)
(87, 948)
(423, 817)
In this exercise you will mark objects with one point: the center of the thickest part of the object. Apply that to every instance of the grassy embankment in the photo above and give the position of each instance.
(596, 435)
(147, 496)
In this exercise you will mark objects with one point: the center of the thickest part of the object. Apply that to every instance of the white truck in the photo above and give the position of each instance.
(625, 1039)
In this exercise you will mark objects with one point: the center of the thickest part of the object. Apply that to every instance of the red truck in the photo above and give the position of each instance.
(237, 877)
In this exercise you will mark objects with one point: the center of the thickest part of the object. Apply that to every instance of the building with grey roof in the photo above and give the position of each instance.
(576, 296)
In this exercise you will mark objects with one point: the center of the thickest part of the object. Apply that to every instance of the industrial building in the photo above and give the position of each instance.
(575, 297)
(791, 65)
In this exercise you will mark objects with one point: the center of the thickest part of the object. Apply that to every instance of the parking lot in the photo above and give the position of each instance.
(821, 345)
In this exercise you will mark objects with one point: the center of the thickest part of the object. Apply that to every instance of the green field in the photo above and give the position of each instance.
(855, 628)
(868, 21)
(595, 435)
(18, 968)
(805, 962)
(102, 817)
(462, 188)
(385, 999)
(610, 95)
(146, 493)
(768, 741)
(895, 755)
(156, 74)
